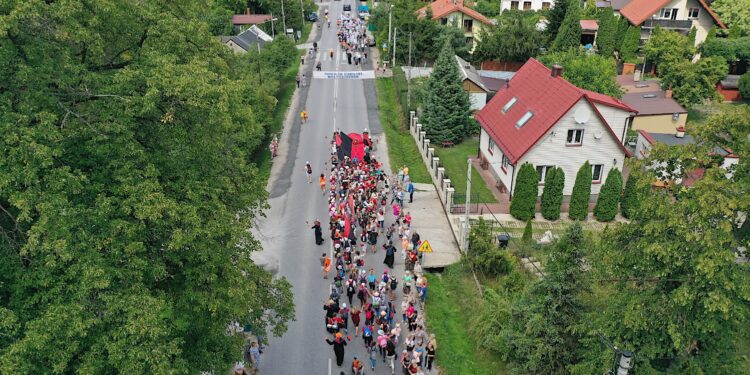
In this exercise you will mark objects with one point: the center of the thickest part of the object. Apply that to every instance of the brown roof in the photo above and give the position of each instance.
(589, 25)
(652, 103)
(493, 84)
(630, 85)
(637, 11)
(250, 19)
(442, 8)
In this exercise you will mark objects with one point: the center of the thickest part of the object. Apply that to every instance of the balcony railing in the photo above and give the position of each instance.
(668, 24)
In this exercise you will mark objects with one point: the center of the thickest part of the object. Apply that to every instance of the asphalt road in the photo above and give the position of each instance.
(288, 242)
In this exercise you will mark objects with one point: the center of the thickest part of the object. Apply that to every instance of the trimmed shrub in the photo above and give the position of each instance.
(527, 232)
(523, 203)
(554, 183)
(609, 197)
(745, 85)
(579, 199)
(630, 198)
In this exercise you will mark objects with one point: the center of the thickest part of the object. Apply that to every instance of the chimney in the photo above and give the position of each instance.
(680, 132)
(557, 70)
(247, 11)
(668, 93)
(507, 83)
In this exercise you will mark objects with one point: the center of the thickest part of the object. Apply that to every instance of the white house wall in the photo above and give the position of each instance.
(478, 100)
(702, 24)
(495, 160)
(617, 119)
(551, 149)
(535, 4)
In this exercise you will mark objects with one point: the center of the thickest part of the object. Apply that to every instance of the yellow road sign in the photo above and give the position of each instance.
(425, 247)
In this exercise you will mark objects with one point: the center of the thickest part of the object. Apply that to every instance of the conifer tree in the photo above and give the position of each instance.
(555, 19)
(579, 199)
(631, 41)
(605, 40)
(630, 197)
(609, 196)
(527, 232)
(523, 203)
(552, 196)
(569, 35)
(447, 105)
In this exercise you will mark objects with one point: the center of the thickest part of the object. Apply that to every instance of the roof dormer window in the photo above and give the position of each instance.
(509, 104)
(524, 119)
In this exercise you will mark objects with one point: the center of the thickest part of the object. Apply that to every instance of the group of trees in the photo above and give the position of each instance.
(292, 15)
(666, 285)
(127, 189)
(523, 202)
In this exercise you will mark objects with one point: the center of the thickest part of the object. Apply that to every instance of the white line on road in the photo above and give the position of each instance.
(329, 365)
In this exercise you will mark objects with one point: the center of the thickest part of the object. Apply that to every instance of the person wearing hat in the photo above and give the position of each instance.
(356, 366)
(382, 341)
(338, 344)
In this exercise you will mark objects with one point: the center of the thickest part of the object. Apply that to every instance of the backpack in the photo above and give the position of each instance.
(394, 284)
(350, 289)
(366, 332)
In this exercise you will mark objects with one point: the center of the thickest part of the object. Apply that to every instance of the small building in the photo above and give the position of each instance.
(540, 118)
(657, 111)
(589, 30)
(454, 12)
(729, 88)
(676, 15)
(252, 38)
(526, 5)
(242, 22)
(472, 84)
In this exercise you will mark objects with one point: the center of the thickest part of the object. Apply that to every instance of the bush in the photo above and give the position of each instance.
(745, 85)
(609, 196)
(579, 200)
(523, 203)
(629, 197)
(483, 254)
(527, 232)
(554, 183)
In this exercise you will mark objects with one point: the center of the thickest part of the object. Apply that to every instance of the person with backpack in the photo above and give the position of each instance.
(373, 355)
(344, 318)
(392, 289)
(367, 330)
(350, 290)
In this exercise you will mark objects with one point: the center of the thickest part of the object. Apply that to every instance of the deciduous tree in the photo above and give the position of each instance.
(587, 71)
(734, 13)
(694, 83)
(515, 38)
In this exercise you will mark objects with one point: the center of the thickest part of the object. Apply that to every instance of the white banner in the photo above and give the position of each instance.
(364, 74)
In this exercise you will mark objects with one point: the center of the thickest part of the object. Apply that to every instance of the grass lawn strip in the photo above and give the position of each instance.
(402, 150)
(453, 159)
(452, 298)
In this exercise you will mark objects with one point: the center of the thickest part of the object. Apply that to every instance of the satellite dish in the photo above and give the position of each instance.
(582, 115)
(598, 135)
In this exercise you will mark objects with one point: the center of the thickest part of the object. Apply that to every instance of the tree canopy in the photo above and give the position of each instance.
(587, 71)
(569, 35)
(447, 105)
(735, 13)
(127, 191)
(515, 38)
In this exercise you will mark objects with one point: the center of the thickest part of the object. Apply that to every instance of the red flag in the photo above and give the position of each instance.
(347, 226)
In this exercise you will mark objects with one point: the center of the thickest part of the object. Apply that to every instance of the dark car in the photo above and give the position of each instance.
(312, 17)
(347, 8)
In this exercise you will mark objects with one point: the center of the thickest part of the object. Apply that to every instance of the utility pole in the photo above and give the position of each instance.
(408, 79)
(260, 76)
(283, 16)
(393, 62)
(302, 8)
(467, 227)
(390, 21)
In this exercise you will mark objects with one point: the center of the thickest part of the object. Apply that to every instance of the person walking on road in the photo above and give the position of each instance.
(298, 79)
(308, 171)
(322, 182)
(431, 349)
(410, 190)
(338, 344)
(325, 265)
(389, 254)
(318, 232)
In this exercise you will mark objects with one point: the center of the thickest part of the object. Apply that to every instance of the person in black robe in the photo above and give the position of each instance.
(389, 254)
(318, 232)
(338, 348)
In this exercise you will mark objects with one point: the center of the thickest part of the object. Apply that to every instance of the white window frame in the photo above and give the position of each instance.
(669, 13)
(593, 173)
(509, 104)
(571, 137)
(542, 171)
(491, 145)
(516, 3)
(505, 162)
(697, 13)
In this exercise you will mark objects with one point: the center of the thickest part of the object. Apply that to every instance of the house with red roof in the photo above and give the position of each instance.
(540, 118)
(242, 22)
(677, 15)
(454, 12)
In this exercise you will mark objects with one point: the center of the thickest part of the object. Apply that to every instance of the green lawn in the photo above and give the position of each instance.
(402, 150)
(451, 297)
(454, 161)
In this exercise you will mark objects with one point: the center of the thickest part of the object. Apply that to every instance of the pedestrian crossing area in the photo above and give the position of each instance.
(327, 57)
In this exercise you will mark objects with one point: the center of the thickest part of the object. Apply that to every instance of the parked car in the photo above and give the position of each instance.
(312, 17)
(347, 7)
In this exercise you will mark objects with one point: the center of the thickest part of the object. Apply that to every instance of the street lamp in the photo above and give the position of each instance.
(390, 21)
(273, 29)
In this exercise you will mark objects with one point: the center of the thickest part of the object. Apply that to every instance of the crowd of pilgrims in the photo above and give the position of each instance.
(361, 300)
